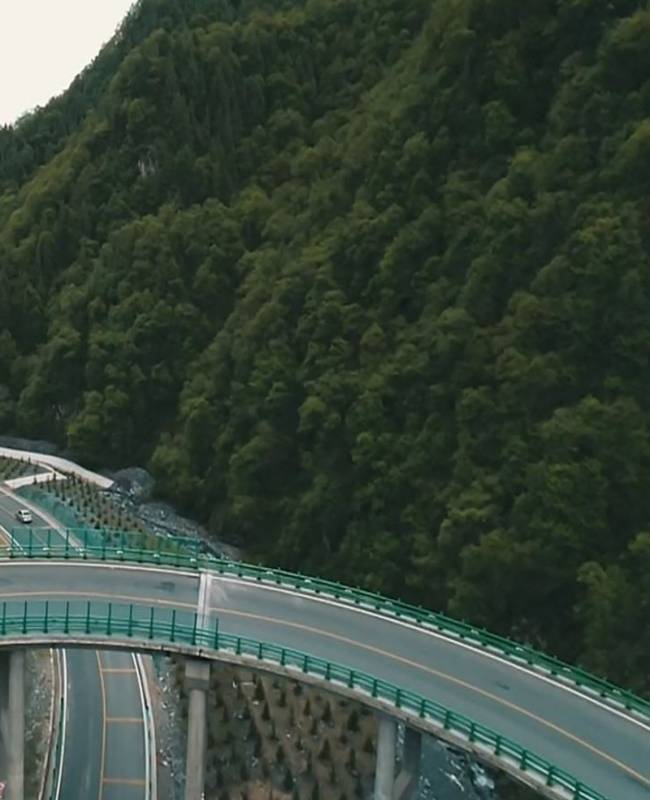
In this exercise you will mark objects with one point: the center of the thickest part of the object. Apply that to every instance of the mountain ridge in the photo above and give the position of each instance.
(366, 284)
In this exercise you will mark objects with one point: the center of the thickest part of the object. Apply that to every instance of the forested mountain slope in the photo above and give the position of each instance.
(367, 284)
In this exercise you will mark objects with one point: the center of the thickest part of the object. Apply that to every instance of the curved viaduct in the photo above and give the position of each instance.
(399, 665)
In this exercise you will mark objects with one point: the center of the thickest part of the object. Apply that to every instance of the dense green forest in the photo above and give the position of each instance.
(366, 284)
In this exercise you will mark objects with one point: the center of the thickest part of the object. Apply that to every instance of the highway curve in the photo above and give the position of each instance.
(104, 745)
(605, 748)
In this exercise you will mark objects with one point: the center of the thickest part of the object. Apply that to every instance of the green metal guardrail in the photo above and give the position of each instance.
(32, 537)
(128, 623)
(186, 554)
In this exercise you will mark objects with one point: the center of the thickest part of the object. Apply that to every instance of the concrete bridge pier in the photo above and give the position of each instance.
(386, 754)
(197, 680)
(387, 787)
(12, 721)
(4, 710)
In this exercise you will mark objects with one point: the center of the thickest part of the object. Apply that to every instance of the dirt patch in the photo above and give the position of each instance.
(39, 686)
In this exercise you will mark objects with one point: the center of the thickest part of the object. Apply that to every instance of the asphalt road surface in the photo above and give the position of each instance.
(606, 749)
(104, 744)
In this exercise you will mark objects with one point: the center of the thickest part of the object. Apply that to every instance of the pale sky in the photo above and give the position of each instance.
(44, 44)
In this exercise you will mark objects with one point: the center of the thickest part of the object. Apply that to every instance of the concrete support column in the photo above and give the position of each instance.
(197, 679)
(409, 775)
(16, 744)
(385, 766)
(4, 707)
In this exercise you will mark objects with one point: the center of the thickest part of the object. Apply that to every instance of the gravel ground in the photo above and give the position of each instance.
(449, 775)
(169, 730)
(132, 491)
(38, 692)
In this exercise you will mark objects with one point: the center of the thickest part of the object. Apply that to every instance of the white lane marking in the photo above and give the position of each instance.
(101, 565)
(151, 789)
(441, 636)
(64, 716)
(37, 511)
(5, 532)
(10, 537)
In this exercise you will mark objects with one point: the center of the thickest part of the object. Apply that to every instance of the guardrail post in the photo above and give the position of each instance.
(197, 679)
(385, 765)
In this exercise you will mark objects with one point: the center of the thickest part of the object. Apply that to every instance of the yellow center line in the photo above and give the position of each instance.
(444, 676)
(103, 756)
(103, 596)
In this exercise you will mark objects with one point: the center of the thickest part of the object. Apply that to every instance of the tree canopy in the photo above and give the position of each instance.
(366, 283)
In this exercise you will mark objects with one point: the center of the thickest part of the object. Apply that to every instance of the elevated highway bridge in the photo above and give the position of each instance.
(551, 726)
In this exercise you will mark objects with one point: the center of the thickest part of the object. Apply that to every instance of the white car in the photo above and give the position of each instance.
(23, 515)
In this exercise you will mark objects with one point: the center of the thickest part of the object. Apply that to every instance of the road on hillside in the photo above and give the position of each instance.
(104, 742)
(606, 749)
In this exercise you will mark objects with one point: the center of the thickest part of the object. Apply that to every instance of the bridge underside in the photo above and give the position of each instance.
(383, 707)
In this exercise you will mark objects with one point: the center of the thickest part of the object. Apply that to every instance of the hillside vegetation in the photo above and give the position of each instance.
(366, 283)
